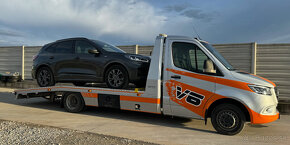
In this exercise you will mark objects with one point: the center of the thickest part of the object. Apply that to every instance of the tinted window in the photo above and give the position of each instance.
(50, 48)
(64, 47)
(83, 47)
(188, 56)
(107, 47)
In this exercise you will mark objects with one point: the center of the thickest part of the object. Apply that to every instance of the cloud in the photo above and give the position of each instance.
(5, 33)
(187, 10)
(55, 19)
(176, 8)
(197, 14)
(127, 22)
(9, 33)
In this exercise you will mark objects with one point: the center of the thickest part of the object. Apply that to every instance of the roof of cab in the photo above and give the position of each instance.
(182, 37)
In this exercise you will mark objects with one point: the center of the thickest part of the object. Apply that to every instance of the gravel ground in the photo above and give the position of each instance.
(25, 133)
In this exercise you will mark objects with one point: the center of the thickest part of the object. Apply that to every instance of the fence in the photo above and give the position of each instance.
(271, 61)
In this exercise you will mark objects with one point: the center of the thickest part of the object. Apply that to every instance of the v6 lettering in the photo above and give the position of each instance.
(192, 98)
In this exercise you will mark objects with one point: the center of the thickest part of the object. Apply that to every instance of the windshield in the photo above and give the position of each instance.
(218, 55)
(107, 47)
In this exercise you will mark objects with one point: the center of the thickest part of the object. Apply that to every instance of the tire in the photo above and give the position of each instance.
(45, 77)
(73, 102)
(228, 119)
(117, 77)
(79, 83)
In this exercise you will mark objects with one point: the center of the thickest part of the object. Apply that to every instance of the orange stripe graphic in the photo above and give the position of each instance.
(110, 90)
(90, 95)
(140, 99)
(171, 89)
(226, 82)
(210, 98)
(265, 80)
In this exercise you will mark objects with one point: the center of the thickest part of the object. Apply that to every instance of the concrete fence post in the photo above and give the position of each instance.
(136, 49)
(23, 64)
(254, 58)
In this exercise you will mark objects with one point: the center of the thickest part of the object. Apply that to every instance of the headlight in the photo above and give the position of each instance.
(261, 89)
(136, 58)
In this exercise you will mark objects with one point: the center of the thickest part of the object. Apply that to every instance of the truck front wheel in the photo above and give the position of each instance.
(73, 102)
(228, 119)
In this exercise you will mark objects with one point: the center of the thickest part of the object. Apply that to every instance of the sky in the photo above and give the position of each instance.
(130, 22)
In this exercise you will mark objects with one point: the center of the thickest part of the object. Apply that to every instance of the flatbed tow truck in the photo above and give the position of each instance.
(188, 78)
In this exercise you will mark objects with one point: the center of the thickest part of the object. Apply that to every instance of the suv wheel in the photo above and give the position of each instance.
(44, 77)
(117, 77)
(228, 119)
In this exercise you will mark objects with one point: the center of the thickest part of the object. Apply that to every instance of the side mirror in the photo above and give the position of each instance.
(208, 66)
(93, 51)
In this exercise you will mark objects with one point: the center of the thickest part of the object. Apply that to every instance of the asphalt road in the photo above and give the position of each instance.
(139, 126)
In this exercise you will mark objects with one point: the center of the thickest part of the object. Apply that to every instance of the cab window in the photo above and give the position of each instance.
(190, 57)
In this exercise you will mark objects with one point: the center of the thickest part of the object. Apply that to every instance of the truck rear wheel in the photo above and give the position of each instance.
(73, 102)
(228, 119)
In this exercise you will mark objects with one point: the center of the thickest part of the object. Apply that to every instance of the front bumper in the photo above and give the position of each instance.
(257, 118)
(138, 72)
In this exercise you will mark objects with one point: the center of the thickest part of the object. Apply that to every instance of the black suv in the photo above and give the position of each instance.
(82, 60)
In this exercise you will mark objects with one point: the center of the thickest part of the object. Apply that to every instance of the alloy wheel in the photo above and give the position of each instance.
(44, 77)
(116, 77)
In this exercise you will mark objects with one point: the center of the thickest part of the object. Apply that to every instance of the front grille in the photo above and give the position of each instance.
(277, 92)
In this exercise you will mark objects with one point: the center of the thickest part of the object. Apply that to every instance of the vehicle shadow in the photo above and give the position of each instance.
(154, 119)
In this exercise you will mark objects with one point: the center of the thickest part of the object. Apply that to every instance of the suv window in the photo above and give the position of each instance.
(64, 47)
(82, 47)
(51, 48)
(188, 56)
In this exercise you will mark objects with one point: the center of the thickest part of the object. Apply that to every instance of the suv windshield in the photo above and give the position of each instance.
(218, 55)
(107, 47)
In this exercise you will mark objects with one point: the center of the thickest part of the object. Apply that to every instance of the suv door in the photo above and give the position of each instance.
(63, 59)
(187, 85)
(90, 66)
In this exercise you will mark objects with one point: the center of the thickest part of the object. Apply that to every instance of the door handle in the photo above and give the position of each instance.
(51, 57)
(176, 77)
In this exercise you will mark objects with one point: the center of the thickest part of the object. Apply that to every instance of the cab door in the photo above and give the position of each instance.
(187, 85)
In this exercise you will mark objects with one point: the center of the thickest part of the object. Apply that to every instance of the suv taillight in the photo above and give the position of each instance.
(34, 57)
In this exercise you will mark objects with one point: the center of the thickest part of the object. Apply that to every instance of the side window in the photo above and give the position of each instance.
(184, 55)
(190, 57)
(51, 48)
(64, 47)
(82, 47)
(201, 58)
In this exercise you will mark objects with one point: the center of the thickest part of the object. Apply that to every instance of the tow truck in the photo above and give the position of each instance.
(188, 78)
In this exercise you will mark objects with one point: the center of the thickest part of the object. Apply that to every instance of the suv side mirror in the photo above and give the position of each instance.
(208, 66)
(93, 51)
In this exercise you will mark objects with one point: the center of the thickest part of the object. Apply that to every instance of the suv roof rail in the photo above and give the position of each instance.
(71, 38)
